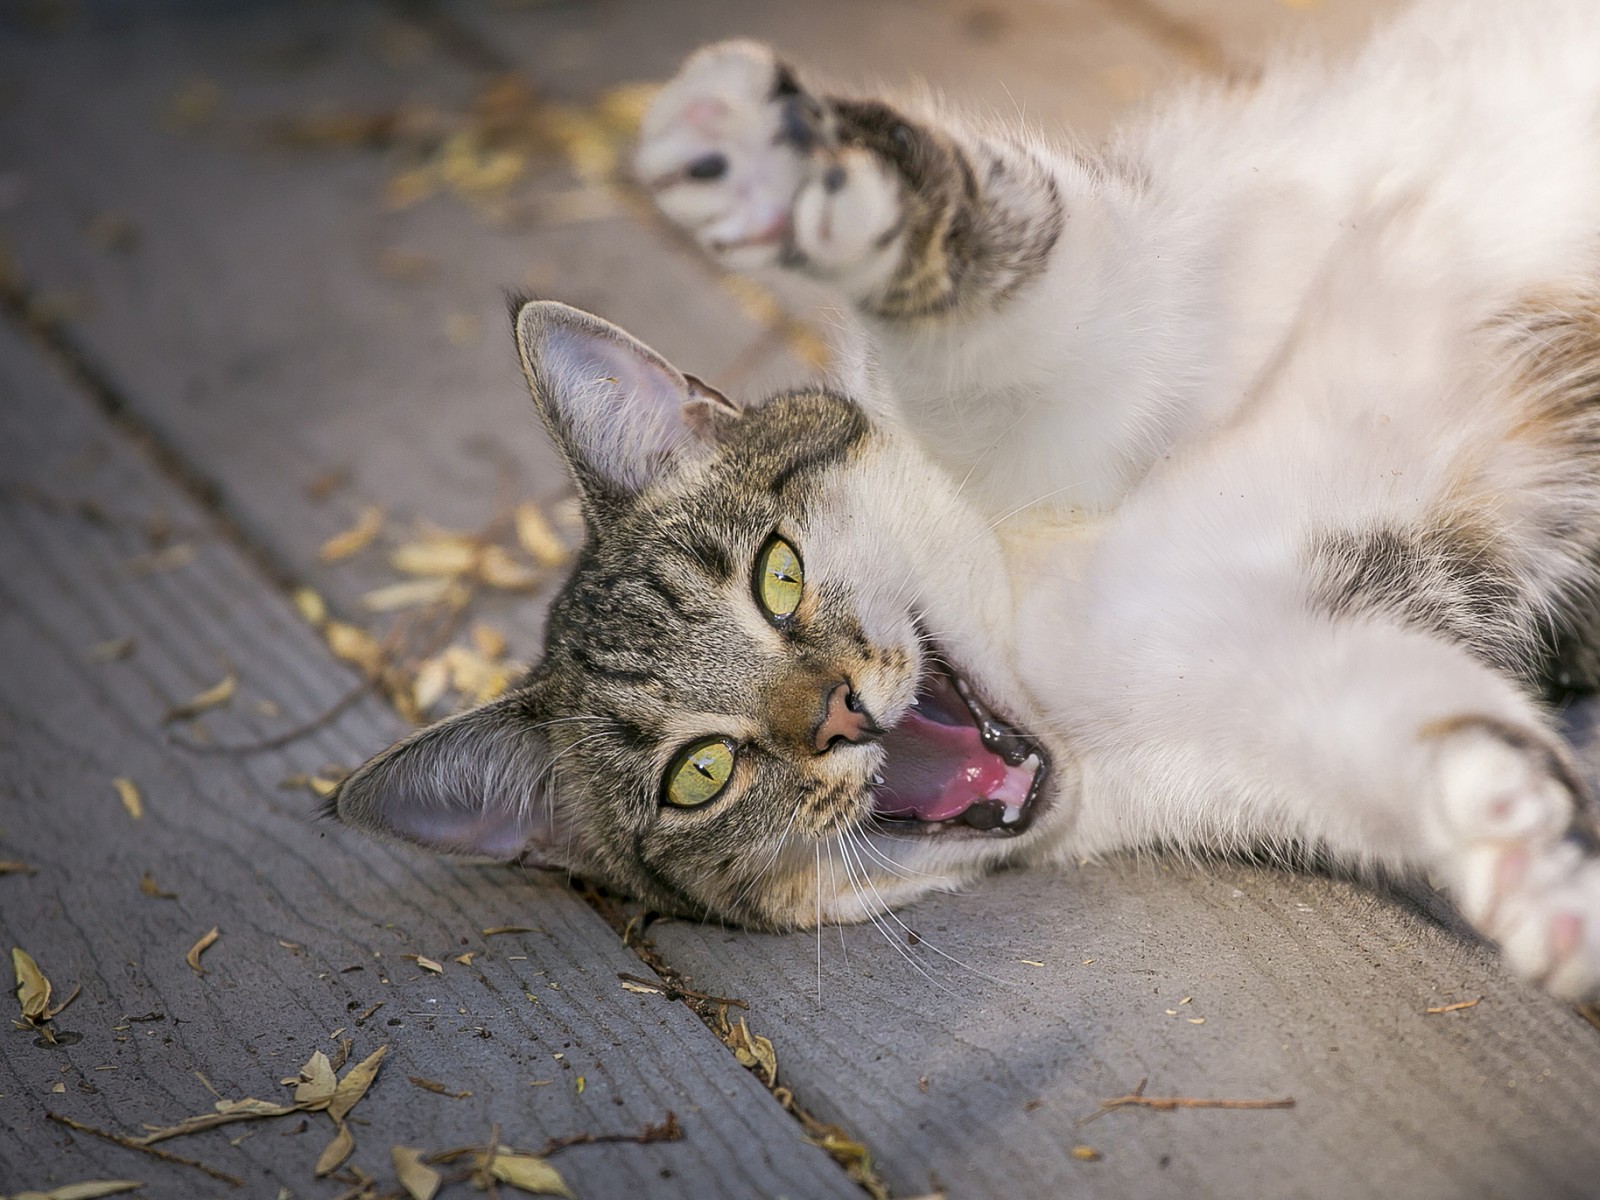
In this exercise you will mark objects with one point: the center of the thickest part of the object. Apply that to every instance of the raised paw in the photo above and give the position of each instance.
(754, 168)
(1509, 827)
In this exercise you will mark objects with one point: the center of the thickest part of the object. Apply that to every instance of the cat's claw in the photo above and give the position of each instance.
(1521, 870)
(749, 165)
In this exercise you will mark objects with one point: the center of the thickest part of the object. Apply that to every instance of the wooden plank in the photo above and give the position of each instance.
(315, 923)
(251, 316)
(1226, 983)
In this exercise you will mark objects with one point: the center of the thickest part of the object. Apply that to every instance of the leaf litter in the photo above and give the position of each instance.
(214, 696)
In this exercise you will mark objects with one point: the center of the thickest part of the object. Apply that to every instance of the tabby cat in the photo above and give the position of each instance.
(1237, 486)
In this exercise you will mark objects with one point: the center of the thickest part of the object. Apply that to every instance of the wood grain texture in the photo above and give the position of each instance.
(968, 1059)
(315, 923)
(252, 328)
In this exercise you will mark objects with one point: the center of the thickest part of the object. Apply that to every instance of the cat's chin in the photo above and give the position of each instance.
(952, 767)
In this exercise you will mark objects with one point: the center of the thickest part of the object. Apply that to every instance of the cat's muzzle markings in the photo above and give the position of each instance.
(952, 766)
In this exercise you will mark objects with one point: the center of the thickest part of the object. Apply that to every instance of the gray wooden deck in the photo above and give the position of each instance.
(225, 337)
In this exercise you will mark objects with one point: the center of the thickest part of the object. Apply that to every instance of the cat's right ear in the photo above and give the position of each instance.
(618, 411)
(476, 784)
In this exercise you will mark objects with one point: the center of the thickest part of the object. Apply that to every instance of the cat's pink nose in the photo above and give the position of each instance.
(844, 718)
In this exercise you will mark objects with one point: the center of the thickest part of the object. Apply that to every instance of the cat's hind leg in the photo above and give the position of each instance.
(904, 217)
(1381, 746)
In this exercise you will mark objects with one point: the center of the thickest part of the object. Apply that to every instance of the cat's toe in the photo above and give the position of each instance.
(723, 151)
(846, 217)
(1552, 934)
(1507, 818)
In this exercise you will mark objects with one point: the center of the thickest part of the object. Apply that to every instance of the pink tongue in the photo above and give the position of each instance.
(935, 771)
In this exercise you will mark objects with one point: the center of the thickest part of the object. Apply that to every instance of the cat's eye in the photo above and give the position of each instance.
(699, 773)
(780, 579)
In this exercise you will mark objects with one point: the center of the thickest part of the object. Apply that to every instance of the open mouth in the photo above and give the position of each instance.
(951, 765)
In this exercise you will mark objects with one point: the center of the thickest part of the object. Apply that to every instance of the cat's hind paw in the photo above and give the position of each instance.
(736, 153)
(1517, 851)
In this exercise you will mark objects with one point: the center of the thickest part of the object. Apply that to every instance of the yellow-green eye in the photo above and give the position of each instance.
(699, 773)
(779, 578)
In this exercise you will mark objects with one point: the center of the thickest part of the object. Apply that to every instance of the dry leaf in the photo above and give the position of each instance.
(312, 608)
(316, 1083)
(419, 1180)
(443, 554)
(228, 1111)
(199, 948)
(538, 537)
(149, 886)
(640, 988)
(1086, 1154)
(354, 646)
(335, 1152)
(488, 641)
(130, 797)
(33, 989)
(15, 866)
(412, 593)
(218, 694)
(496, 930)
(530, 1173)
(355, 1083)
(90, 1189)
(358, 537)
(465, 959)
(754, 1051)
(499, 570)
(427, 964)
(431, 682)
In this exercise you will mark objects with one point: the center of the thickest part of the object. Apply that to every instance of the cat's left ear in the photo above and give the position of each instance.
(618, 411)
(477, 783)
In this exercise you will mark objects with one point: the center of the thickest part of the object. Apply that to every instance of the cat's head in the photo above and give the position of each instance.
(777, 685)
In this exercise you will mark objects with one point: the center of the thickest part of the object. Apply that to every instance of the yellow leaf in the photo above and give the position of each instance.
(419, 1180)
(1086, 1154)
(228, 1111)
(217, 694)
(412, 593)
(33, 989)
(199, 948)
(499, 570)
(335, 1152)
(754, 1051)
(538, 537)
(354, 646)
(316, 1083)
(488, 641)
(130, 797)
(312, 608)
(429, 686)
(443, 555)
(358, 537)
(91, 1189)
(530, 1173)
(355, 1083)
(15, 866)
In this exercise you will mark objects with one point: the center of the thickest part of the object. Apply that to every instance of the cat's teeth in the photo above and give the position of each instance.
(877, 779)
(1009, 817)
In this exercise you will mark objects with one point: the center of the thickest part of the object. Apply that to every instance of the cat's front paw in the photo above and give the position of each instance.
(734, 151)
(1517, 850)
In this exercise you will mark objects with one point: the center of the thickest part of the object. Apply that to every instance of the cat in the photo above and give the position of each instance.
(1235, 487)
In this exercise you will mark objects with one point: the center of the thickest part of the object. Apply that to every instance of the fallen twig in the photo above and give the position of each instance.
(674, 991)
(1137, 1099)
(134, 1144)
(1456, 1007)
(667, 1131)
